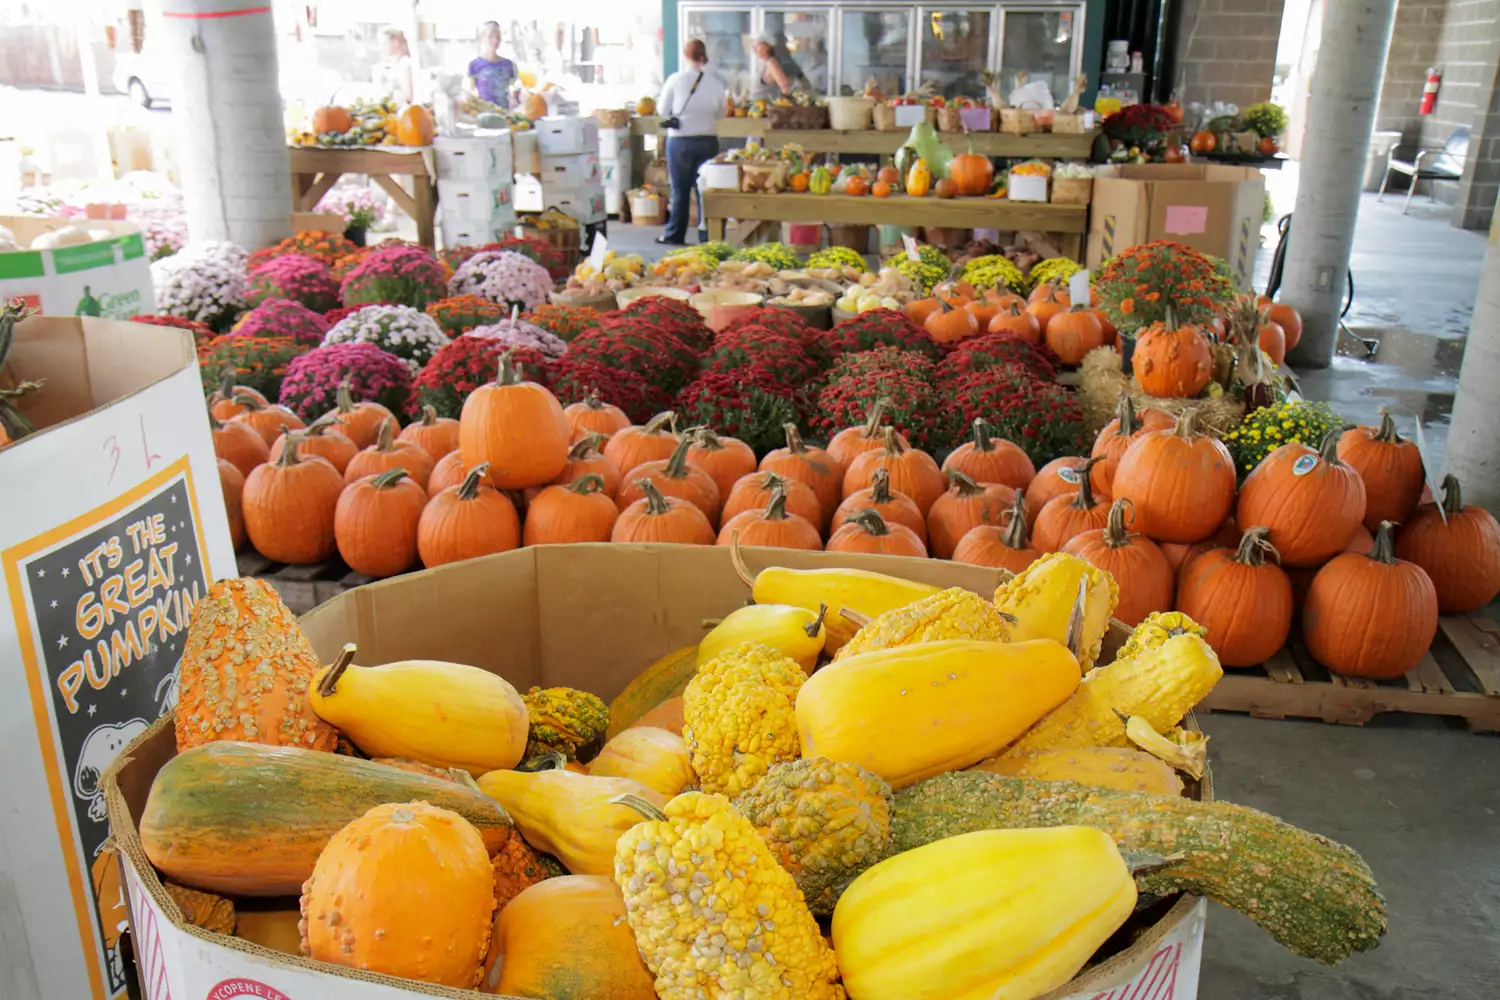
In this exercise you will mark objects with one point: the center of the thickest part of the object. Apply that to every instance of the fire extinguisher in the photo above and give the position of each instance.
(1430, 90)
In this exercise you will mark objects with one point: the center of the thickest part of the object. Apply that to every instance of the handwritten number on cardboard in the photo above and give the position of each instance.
(112, 448)
(151, 457)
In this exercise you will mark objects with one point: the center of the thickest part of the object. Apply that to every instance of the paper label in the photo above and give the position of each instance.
(1078, 287)
(1186, 220)
(597, 251)
(911, 249)
(1304, 464)
(1069, 475)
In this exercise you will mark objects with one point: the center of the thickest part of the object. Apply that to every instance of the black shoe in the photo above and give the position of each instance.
(664, 241)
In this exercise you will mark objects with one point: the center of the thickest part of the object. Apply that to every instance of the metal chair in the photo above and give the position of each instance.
(1443, 164)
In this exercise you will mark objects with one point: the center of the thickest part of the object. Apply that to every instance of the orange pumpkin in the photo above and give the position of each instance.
(888, 174)
(359, 422)
(919, 311)
(1461, 554)
(895, 508)
(674, 477)
(1112, 441)
(414, 126)
(1070, 514)
(849, 443)
(1005, 548)
(433, 434)
(1390, 467)
(991, 460)
(468, 520)
(1014, 319)
(1203, 142)
(232, 483)
(667, 715)
(238, 443)
(1178, 553)
(1058, 477)
(1051, 290)
(1244, 601)
(375, 523)
(881, 189)
(289, 507)
(945, 188)
(772, 528)
(581, 511)
(856, 186)
(387, 453)
(331, 118)
(965, 505)
(585, 459)
(1146, 582)
(222, 405)
(594, 416)
(971, 173)
(1284, 316)
(867, 532)
(1181, 482)
(1045, 308)
(634, 445)
(516, 427)
(1073, 333)
(726, 459)
(949, 325)
(1173, 361)
(662, 519)
(322, 439)
(912, 471)
(449, 471)
(752, 492)
(1309, 498)
(1272, 340)
(800, 181)
(808, 464)
(267, 420)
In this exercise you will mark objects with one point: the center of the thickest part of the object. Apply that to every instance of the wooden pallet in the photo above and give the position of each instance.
(302, 588)
(1459, 677)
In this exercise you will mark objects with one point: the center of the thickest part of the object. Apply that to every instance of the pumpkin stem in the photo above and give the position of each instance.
(1015, 532)
(963, 485)
(850, 615)
(677, 465)
(1125, 414)
(331, 678)
(876, 417)
(1385, 544)
(737, 559)
(871, 521)
(544, 762)
(1187, 423)
(1254, 547)
(1085, 499)
(662, 419)
(385, 442)
(982, 442)
(429, 415)
(816, 625)
(1387, 434)
(584, 446)
(1330, 446)
(705, 438)
(880, 486)
(289, 456)
(344, 398)
(794, 440)
(776, 506)
(1453, 500)
(591, 399)
(389, 478)
(1115, 535)
(248, 402)
(326, 422)
(640, 805)
(893, 445)
(469, 488)
(586, 484)
(510, 370)
(655, 503)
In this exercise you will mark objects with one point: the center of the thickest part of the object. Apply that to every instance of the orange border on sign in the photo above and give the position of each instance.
(11, 559)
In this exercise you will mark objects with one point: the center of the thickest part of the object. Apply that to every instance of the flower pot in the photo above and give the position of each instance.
(1127, 350)
(355, 235)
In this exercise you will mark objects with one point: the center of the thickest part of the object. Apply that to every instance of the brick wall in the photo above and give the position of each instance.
(1414, 47)
(1226, 49)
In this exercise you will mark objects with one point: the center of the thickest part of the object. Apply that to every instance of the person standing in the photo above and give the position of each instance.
(773, 82)
(395, 73)
(691, 104)
(491, 72)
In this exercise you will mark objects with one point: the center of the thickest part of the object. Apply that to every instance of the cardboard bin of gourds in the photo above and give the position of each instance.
(766, 816)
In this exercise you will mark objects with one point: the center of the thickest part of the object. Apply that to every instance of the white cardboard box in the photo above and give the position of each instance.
(719, 176)
(527, 152)
(584, 204)
(109, 278)
(614, 201)
(1027, 188)
(478, 157)
(572, 170)
(526, 195)
(616, 176)
(463, 232)
(564, 136)
(614, 144)
(473, 199)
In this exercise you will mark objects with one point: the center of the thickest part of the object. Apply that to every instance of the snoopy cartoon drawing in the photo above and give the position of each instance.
(99, 751)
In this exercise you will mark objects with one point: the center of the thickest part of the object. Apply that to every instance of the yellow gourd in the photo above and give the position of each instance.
(569, 815)
(919, 179)
(1040, 599)
(436, 713)
(996, 914)
(792, 631)
(1101, 767)
(910, 712)
(662, 681)
(954, 613)
(654, 757)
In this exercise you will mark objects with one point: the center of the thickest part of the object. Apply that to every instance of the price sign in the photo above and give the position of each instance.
(597, 251)
(911, 249)
(1437, 496)
(1078, 288)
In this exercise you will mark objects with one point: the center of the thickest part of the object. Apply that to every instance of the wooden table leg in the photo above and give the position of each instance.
(716, 229)
(425, 199)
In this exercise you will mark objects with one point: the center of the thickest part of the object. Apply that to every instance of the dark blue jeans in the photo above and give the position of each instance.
(685, 154)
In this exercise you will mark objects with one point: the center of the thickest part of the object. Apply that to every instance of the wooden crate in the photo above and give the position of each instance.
(1459, 677)
(302, 588)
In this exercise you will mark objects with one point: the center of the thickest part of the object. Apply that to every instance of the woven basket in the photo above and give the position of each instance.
(796, 117)
(884, 117)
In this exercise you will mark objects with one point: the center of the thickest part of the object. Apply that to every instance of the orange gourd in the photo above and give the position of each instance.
(1286, 317)
(267, 420)
(438, 436)
(772, 527)
(1058, 477)
(657, 758)
(1146, 582)
(387, 453)
(468, 520)
(912, 471)
(889, 174)
(856, 186)
(232, 484)
(867, 532)
(972, 173)
(592, 415)
(449, 471)
(991, 460)
(895, 508)
(945, 188)
(1181, 482)
(1172, 361)
(1012, 318)
(808, 464)
(752, 492)
(634, 445)
(222, 405)
(289, 507)
(1045, 308)
(849, 443)
(238, 443)
(667, 715)
(919, 179)
(321, 439)
(1390, 467)
(359, 422)
(674, 477)
(1112, 441)
(800, 181)
(1073, 333)
(375, 523)
(581, 511)
(662, 519)
(585, 459)
(1005, 548)
(1070, 514)
(517, 427)
(881, 189)
(1309, 498)
(1460, 554)
(1243, 600)
(414, 126)
(726, 459)
(949, 325)
(965, 505)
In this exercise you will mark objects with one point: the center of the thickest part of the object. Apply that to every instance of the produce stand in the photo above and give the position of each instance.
(1051, 145)
(315, 171)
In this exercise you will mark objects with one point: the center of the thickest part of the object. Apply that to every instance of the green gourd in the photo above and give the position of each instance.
(924, 143)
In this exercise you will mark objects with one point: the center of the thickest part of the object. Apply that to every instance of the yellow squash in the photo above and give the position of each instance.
(792, 631)
(954, 613)
(436, 713)
(567, 814)
(910, 712)
(656, 758)
(1101, 767)
(991, 915)
(1040, 599)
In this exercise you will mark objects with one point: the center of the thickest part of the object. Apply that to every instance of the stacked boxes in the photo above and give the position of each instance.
(475, 187)
(571, 174)
(614, 164)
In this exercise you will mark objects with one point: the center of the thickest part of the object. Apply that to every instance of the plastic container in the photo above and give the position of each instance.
(803, 237)
(720, 308)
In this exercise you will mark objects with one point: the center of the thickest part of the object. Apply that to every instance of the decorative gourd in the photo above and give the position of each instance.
(738, 716)
(438, 436)
(289, 507)
(991, 460)
(662, 519)
(1461, 555)
(727, 459)
(566, 814)
(592, 415)
(239, 444)
(356, 907)
(654, 757)
(1390, 467)
(386, 454)
(568, 938)
(468, 520)
(232, 484)
(207, 824)
(824, 822)
(912, 471)
(849, 443)
(919, 179)
(1058, 477)
(517, 427)
(331, 118)
(436, 713)
(375, 523)
(517, 868)
(673, 477)
(752, 492)
(661, 681)
(1070, 514)
(1309, 499)
(1172, 361)
(772, 527)
(565, 721)
(853, 710)
(965, 505)
(414, 126)
(1181, 482)
(1013, 318)
(1119, 434)
(449, 471)
(954, 613)
(669, 715)
(266, 419)
(1139, 568)
(1005, 548)
(1244, 601)
(653, 441)
(1370, 616)
(1127, 770)
(971, 172)
(792, 631)
(810, 465)
(321, 439)
(1073, 333)
(579, 512)
(894, 508)
(865, 531)
(1040, 601)
(359, 421)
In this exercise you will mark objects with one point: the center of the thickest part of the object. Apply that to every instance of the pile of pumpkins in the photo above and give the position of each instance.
(373, 124)
(923, 166)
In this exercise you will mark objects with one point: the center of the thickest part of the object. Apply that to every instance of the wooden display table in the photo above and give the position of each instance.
(1068, 222)
(1050, 145)
(315, 171)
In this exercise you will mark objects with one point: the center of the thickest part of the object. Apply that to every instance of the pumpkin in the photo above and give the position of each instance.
(662, 519)
(1370, 616)
(1058, 477)
(753, 492)
(972, 173)
(331, 118)
(965, 505)
(205, 823)
(1012, 318)
(881, 189)
(517, 427)
(238, 443)
(1181, 482)
(919, 179)
(1285, 317)
(668, 715)
(232, 484)
(724, 458)
(438, 436)
(414, 126)
(856, 186)
(468, 520)
(800, 181)
(289, 507)
(948, 325)
(375, 523)
(585, 459)
(1073, 333)
(267, 420)
(896, 508)
(359, 421)
(991, 460)
(918, 310)
(449, 471)
(386, 454)
(1045, 307)
(357, 907)
(889, 174)
(1390, 467)
(1243, 600)
(1460, 554)
(1227, 537)
(1146, 581)
(1171, 360)
(1271, 339)
(912, 471)
(592, 415)
(673, 477)
(807, 464)
(654, 757)
(222, 405)
(1070, 514)
(1050, 290)
(1118, 435)
(321, 439)
(849, 443)
(582, 511)
(1309, 498)
(866, 531)
(1006, 548)
(567, 938)
(772, 527)
(635, 445)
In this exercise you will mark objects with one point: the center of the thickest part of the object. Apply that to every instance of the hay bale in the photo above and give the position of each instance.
(1102, 381)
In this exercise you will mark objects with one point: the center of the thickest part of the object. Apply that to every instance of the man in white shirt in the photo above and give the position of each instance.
(691, 104)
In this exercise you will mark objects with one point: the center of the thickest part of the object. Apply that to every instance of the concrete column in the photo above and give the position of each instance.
(1340, 119)
(231, 144)
(1473, 450)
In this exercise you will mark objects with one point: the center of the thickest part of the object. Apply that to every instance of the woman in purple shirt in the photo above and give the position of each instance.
(492, 73)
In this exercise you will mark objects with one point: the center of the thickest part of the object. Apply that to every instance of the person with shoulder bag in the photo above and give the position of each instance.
(691, 104)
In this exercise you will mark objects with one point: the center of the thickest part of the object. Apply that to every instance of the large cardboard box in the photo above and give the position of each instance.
(107, 277)
(587, 616)
(1211, 208)
(112, 526)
